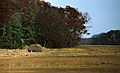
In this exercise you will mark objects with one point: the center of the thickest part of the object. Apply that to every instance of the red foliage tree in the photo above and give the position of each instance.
(6, 8)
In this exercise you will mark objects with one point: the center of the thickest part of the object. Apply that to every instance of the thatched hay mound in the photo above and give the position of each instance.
(35, 48)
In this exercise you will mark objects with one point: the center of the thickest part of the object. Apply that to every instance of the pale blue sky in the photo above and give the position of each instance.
(105, 14)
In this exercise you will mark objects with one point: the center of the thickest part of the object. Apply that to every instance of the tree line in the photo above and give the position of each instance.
(112, 37)
(25, 22)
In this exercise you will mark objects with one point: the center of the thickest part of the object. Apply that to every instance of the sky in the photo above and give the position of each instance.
(105, 14)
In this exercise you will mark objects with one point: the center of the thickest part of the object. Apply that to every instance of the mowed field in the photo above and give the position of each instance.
(84, 59)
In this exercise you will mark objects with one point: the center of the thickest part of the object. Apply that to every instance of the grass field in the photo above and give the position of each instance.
(83, 59)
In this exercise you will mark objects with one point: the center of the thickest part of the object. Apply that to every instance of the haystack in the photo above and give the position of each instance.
(35, 48)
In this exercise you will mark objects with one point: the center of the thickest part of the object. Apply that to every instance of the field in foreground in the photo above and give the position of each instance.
(85, 59)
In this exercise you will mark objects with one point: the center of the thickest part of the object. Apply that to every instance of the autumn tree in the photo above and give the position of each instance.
(60, 27)
(49, 26)
(6, 10)
(75, 22)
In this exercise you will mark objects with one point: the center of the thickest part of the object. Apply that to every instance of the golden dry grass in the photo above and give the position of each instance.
(86, 59)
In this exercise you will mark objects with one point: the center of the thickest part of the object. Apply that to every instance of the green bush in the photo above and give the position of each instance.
(9, 43)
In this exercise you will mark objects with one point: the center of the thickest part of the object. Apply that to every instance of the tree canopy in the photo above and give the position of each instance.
(35, 21)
